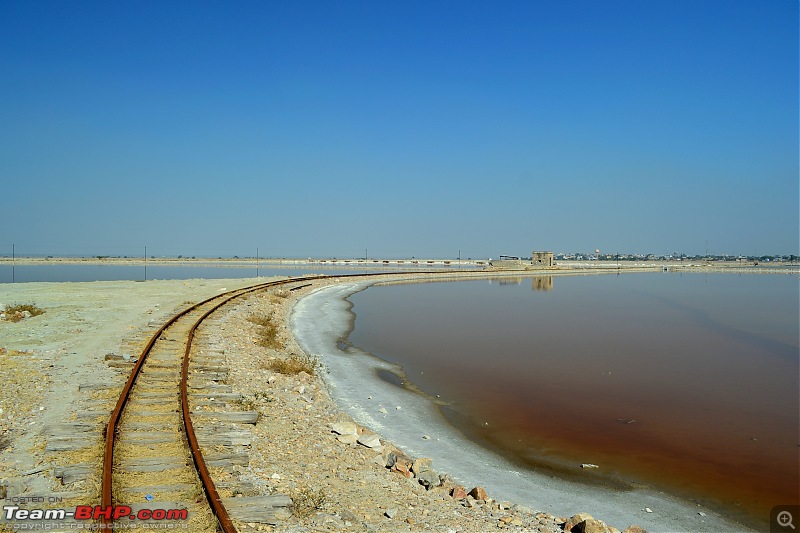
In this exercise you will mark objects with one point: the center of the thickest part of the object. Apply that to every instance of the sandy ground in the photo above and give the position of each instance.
(44, 359)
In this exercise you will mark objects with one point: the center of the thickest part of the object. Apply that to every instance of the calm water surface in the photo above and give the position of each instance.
(96, 272)
(685, 382)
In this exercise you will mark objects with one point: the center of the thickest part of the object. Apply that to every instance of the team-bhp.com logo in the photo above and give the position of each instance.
(33, 519)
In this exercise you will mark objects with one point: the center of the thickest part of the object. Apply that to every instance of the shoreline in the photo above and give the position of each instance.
(354, 383)
(85, 320)
(400, 264)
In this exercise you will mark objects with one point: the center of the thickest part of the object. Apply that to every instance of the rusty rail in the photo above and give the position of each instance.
(209, 488)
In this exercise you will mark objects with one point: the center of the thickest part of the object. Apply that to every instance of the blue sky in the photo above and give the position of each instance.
(324, 128)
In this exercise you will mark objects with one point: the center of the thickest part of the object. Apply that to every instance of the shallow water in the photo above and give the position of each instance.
(99, 272)
(688, 383)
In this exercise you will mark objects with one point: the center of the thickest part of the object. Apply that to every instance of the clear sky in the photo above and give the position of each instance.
(408, 128)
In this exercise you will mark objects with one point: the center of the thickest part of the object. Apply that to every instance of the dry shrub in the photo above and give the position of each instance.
(294, 364)
(307, 501)
(267, 331)
(15, 313)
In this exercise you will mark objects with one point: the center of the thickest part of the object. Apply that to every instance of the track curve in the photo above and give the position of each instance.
(189, 319)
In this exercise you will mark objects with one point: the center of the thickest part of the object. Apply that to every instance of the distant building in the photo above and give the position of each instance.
(539, 260)
(542, 259)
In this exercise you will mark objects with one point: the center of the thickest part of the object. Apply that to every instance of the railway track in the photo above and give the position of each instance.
(152, 450)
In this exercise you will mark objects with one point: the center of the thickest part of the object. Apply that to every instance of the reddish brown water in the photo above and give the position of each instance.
(688, 383)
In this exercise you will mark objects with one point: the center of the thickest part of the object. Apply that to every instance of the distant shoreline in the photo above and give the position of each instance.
(783, 267)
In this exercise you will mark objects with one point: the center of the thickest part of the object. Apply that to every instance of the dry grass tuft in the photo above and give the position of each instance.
(267, 331)
(307, 501)
(251, 403)
(294, 364)
(15, 313)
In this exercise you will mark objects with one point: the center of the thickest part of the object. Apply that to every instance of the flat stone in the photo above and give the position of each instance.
(370, 440)
(344, 428)
(428, 479)
(422, 464)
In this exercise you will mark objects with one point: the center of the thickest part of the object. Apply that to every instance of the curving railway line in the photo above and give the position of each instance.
(151, 443)
(150, 436)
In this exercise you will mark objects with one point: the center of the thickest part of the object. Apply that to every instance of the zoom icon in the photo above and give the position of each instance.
(783, 518)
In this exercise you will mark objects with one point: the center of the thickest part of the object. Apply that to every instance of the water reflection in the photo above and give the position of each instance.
(542, 283)
(538, 283)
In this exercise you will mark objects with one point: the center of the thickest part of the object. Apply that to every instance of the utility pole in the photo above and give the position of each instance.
(145, 263)
(256, 261)
(13, 261)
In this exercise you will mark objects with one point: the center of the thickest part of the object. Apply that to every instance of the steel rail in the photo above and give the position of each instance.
(111, 427)
(209, 488)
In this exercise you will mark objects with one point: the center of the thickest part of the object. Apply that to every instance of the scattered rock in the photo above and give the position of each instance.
(458, 492)
(390, 513)
(575, 520)
(589, 465)
(426, 437)
(479, 493)
(422, 464)
(370, 440)
(347, 439)
(400, 463)
(648, 510)
(403, 468)
(428, 479)
(634, 529)
(591, 525)
(344, 428)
